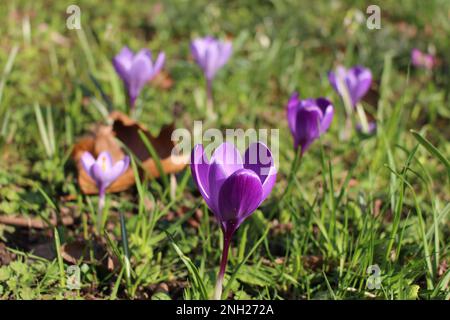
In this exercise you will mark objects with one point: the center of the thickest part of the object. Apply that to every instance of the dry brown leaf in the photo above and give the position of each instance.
(126, 130)
(162, 80)
(79, 250)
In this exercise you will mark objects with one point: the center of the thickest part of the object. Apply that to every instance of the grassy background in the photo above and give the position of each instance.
(379, 200)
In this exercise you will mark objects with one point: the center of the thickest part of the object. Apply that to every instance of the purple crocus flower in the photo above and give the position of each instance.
(421, 59)
(103, 172)
(353, 82)
(136, 70)
(308, 119)
(211, 55)
(232, 187)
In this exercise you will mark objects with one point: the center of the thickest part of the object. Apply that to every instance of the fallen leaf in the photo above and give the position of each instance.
(162, 80)
(127, 130)
(79, 251)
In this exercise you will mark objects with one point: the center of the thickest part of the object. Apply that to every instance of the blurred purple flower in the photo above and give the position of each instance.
(308, 119)
(355, 81)
(136, 70)
(102, 171)
(420, 59)
(372, 128)
(211, 54)
(232, 187)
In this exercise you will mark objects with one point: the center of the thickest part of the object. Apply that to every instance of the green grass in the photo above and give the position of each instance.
(354, 203)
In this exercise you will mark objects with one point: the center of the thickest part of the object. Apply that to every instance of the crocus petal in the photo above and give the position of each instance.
(212, 61)
(159, 63)
(259, 159)
(216, 178)
(199, 169)
(364, 81)
(338, 79)
(198, 50)
(332, 80)
(308, 126)
(226, 49)
(228, 157)
(104, 160)
(87, 160)
(416, 56)
(119, 168)
(225, 160)
(240, 196)
(140, 72)
(122, 63)
(99, 175)
(328, 111)
(292, 106)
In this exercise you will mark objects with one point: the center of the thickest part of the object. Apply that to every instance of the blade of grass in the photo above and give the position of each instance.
(433, 150)
(194, 275)
(155, 158)
(62, 274)
(42, 130)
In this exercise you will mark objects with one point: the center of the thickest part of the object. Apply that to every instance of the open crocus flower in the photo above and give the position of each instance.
(103, 172)
(351, 84)
(420, 59)
(308, 119)
(233, 187)
(211, 54)
(136, 70)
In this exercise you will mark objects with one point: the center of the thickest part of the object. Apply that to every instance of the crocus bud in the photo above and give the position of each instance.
(211, 54)
(353, 82)
(136, 70)
(308, 119)
(422, 60)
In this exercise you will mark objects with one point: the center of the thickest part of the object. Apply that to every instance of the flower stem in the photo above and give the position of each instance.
(227, 235)
(132, 103)
(362, 118)
(294, 169)
(101, 207)
(209, 98)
